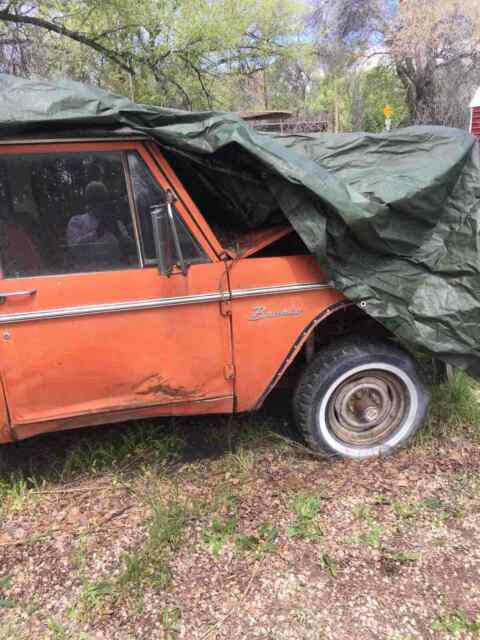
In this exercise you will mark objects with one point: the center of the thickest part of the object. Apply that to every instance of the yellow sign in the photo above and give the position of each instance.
(388, 111)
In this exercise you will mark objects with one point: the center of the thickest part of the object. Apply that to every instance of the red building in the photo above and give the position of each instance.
(475, 115)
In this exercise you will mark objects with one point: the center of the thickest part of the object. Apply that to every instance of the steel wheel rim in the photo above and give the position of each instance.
(366, 408)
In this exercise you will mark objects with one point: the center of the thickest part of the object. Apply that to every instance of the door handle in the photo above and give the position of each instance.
(14, 294)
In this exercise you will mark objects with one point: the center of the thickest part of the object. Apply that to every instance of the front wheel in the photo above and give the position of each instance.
(360, 398)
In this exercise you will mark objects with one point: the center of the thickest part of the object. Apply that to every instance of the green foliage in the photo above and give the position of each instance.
(149, 563)
(58, 630)
(329, 564)
(305, 526)
(218, 534)
(5, 601)
(370, 537)
(263, 542)
(142, 443)
(401, 557)
(170, 619)
(454, 404)
(456, 623)
(381, 86)
(175, 53)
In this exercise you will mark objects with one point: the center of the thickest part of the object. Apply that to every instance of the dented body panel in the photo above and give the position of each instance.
(81, 349)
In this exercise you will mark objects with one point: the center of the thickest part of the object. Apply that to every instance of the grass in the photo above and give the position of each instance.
(454, 406)
(93, 594)
(170, 620)
(16, 491)
(242, 447)
(149, 563)
(218, 534)
(456, 623)
(140, 444)
(306, 509)
(6, 602)
(265, 540)
(371, 536)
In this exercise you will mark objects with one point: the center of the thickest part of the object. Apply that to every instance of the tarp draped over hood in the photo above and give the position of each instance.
(394, 216)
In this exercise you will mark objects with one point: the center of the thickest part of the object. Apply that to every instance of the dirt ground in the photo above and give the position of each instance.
(217, 528)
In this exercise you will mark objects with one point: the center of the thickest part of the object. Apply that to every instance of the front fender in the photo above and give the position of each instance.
(298, 344)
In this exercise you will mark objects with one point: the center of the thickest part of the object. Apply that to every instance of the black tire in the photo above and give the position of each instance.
(359, 398)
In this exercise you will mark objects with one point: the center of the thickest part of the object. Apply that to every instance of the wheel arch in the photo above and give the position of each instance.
(337, 320)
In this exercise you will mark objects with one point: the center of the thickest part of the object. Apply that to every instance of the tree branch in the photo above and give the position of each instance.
(6, 16)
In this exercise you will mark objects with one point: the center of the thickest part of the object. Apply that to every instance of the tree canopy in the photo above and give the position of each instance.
(343, 58)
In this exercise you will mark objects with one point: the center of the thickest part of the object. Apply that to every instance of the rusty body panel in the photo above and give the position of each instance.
(265, 328)
(62, 367)
(99, 347)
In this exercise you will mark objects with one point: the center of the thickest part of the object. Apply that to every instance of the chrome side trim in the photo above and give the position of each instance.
(158, 303)
(284, 288)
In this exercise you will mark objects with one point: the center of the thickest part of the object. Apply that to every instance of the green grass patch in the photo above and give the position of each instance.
(456, 623)
(6, 602)
(149, 563)
(305, 526)
(264, 541)
(454, 406)
(218, 534)
(141, 444)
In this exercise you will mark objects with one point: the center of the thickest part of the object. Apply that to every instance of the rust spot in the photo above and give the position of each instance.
(157, 385)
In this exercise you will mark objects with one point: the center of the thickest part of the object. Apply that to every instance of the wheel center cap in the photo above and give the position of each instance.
(370, 414)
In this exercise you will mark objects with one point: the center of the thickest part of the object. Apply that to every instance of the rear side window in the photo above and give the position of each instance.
(65, 213)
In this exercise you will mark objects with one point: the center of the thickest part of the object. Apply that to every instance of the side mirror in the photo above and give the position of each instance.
(167, 244)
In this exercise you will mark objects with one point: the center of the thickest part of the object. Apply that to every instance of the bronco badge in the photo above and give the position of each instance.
(261, 313)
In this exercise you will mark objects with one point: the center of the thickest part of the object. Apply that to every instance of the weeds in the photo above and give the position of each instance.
(330, 565)
(5, 601)
(454, 405)
(243, 459)
(170, 619)
(219, 533)
(149, 564)
(93, 594)
(58, 630)
(137, 444)
(15, 491)
(406, 511)
(402, 557)
(456, 622)
(263, 542)
(305, 526)
(370, 537)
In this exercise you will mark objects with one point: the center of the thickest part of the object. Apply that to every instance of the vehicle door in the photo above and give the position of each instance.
(88, 325)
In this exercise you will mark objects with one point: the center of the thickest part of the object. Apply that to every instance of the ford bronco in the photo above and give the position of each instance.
(123, 298)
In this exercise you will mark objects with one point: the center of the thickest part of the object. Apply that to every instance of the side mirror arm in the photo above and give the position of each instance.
(158, 216)
(174, 231)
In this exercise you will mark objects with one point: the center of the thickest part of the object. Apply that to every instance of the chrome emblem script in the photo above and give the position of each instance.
(262, 313)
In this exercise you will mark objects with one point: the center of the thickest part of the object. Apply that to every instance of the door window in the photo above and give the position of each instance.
(64, 213)
(148, 193)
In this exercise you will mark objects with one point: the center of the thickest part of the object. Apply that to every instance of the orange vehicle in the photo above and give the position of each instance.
(120, 299)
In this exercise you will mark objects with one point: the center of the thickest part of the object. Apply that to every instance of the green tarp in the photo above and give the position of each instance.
(394, 216)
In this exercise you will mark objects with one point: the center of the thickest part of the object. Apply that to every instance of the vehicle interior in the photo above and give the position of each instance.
(237, 203)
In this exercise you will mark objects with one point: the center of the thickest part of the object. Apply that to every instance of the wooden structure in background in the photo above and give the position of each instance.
(284, 122)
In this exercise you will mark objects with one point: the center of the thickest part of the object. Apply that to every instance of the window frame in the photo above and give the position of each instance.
(161, 172)
(152, 262)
